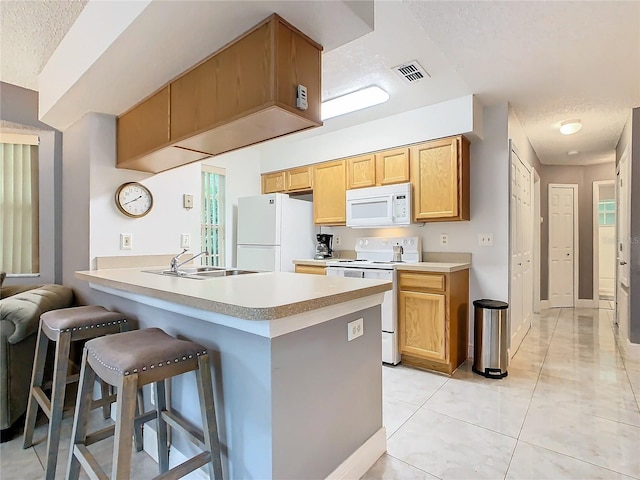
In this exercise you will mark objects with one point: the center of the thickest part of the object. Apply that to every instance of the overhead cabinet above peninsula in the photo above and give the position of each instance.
(241, 95)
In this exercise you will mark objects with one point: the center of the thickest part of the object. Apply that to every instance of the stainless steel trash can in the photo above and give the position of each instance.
(491, 335)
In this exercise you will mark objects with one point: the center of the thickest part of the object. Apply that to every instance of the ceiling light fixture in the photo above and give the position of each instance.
(366, 97)
(569, 127)
(573, 152)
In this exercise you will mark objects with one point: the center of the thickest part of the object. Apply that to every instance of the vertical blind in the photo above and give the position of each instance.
(19, 204)
(213, 214)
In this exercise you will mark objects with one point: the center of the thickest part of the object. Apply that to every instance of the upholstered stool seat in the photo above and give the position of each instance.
(64, 326)
(128, 361)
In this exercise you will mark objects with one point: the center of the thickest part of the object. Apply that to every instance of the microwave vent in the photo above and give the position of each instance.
(411, 72)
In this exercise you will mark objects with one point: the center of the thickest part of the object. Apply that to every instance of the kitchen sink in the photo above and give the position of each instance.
(201, 273)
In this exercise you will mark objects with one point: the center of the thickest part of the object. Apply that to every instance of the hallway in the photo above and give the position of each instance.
(568, 409)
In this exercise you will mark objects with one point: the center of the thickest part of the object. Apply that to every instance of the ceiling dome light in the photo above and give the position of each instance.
(573, 152)
(570, 127)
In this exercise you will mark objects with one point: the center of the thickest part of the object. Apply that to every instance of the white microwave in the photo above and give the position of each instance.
(385, 206)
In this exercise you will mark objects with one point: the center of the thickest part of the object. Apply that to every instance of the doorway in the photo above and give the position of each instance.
(563, 244)
(604, 242)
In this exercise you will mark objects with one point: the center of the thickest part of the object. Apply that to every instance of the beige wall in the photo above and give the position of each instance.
(583, 176)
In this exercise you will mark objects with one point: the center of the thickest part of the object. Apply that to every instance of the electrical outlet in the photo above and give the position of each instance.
(187, 201)
(337, 239)
(444, 239)
(355, 329)
(485, 239)
(185, 240)
(126, 241)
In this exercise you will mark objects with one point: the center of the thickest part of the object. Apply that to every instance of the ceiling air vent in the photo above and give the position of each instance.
(411, 71)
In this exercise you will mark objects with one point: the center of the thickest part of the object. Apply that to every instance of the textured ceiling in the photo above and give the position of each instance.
(552, 61)
(29, 33)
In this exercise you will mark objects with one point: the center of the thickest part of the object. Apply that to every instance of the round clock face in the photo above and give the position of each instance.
(134, 199)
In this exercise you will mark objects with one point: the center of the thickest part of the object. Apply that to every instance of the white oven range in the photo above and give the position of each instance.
(374, 260)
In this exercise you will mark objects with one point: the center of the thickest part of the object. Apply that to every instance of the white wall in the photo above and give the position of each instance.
(242, 179)
(435, 121)
(92, 222)
(489, 184)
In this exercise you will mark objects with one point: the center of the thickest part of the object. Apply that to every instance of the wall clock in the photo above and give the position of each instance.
(134, 199)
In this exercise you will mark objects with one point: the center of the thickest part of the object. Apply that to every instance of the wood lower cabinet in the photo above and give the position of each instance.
(329, 193)
(312, 269)
(440, 178)
(433, 319)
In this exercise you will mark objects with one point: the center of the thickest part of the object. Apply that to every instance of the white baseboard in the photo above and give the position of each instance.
(176, 457)
(544, 304)
(355, 466)
(587, 303)
(362, 459)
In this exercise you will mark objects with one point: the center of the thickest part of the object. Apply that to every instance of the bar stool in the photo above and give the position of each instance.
(64, 326)
(128, 361)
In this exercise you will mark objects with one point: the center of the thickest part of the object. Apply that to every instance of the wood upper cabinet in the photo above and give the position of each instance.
(433, 319)
(392, 166)
(273, 182)
(243, 94)
(294, 180)
(440, 178)
(361, 171)
(378, 168)
(298, 179)
(329, 193)
(144, 127)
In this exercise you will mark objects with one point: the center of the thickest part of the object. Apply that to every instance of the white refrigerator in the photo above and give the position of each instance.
(273, 230)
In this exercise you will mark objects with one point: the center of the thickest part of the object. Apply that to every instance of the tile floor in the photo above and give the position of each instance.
(568, 410)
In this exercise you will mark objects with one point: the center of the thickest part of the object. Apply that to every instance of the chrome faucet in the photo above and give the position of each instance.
(174, 261)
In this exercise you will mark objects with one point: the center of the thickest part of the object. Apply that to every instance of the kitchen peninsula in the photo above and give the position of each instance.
(295, 397)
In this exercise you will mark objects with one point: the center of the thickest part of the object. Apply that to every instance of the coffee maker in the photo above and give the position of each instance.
(323, 247)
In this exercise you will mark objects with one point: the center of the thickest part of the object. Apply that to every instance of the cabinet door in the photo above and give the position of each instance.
(422, 325)
(298, 179)
(329, 193)
(144, 128)
(273, 182)
(434, 172)
(392, 166)
(361, 171)
(312, 269)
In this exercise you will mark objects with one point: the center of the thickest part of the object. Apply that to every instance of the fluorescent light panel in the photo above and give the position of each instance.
(367, 97)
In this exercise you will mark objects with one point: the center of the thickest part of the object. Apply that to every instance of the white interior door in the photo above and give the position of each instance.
(562, 214)
(521, 216)
(623, 178)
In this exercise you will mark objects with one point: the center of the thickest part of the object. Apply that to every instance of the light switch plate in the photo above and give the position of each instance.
(187, 200)
(126, 241)
(185, 240)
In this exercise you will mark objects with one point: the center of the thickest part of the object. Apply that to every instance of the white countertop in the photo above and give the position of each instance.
(258, 296)
(438, 267)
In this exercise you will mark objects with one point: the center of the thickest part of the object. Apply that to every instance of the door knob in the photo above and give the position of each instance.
(623, 263)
